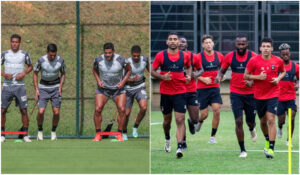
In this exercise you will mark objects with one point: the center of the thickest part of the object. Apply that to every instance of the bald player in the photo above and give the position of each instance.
(109, 71)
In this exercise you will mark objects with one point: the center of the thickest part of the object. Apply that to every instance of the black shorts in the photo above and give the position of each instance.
(192, 99)
(170, 102)
(243, 102)
(283, 106)
(208, 96)
(266, 105)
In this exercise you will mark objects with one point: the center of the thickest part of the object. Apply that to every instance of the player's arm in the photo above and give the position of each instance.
(220, 75)
(96, 75)
(248, 76)
(3, 74)
(198, 73)
(297, 76)
(128, 70)
(35, 84)
(156, 64)
(188, 73)
(281, 76)
(62, 78)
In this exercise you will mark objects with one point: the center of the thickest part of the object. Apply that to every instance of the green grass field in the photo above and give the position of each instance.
(75, 156)
(221, 158)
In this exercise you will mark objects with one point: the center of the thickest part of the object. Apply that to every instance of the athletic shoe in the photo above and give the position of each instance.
(270, 154)
(279, 132)
(120, 138)
(26, 139)
(287, 143)
(243, 154)
(179, 153)
(191, 126)
(212, 140)
(267, 145)
(184, 146)
(97, 138)
(53, 136)
(125, 136)
(135, 133)
(197, 126)
(253, 135)
(2, 139)
(40, 135)
(168, 146)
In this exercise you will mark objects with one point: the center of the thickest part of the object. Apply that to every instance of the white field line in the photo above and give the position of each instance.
(226, 150)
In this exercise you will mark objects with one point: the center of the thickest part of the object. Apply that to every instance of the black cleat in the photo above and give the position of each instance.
(191, 126)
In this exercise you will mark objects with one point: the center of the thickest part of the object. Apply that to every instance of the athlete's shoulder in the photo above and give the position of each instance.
(42, 59)
(24, 52)
(99, 58)
(60, 59)
(119, 57)
(252, 53)
(277, 59)
(219, 53)
(4, 53)
(230, 54)
(145, 59)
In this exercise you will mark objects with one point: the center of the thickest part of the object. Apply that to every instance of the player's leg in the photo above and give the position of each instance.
(6, 99)
(100, 101)
(166, 107)
(128, 107)
(203, 101)
(42, 104)
(250, 112)
(193, 110)
(120, 101)
(141, 97)
(56, 103)
(216, 102)
(292, 104)
(281, 109)
(3, 120)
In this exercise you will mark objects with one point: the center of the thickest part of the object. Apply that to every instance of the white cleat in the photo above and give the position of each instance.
(243, 154)
(179, 153)
(26, 139)
(279, 132)
(287, 143)
(53, 136)
(197, 126)
(2, 139)
(135, 133)
(40, 135)
(212, 140)
(253, 135)
(168, 146)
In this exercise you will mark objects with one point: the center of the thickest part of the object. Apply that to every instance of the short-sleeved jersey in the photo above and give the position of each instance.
(211, 65)
(50, 71)
(173, 63)
(137, 68)
(14, 64)
(287, 84)
(110, 72)
(264, 89)
(238, 65)
(191, 86)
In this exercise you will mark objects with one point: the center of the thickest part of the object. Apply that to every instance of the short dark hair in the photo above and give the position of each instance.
(15, 36)
(173, 33)
(204, 37)
(182, 37)
(109, 46)
(267, 40)
(136, 49)
(51, 47)
(241, 35)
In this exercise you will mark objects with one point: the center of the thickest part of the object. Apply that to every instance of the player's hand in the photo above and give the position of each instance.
(167, 76)
(262, 75)
(249, 83)
(223, 78)
(296, 87)
(206, 80)
(187, 78)
(218, 79)
(37, 94)
(120, 85)
(8, 76)
(60, 90)
(100, 84)
(20, 76)
(274, 81)
(136, 77)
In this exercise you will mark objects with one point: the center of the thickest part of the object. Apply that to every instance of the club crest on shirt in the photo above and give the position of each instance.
(273, 67)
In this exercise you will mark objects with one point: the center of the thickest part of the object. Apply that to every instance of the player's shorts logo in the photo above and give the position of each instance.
(24, 98)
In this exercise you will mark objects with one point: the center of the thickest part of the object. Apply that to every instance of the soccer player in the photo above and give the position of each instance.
(241, 91)
(264, 69)
(49, 88)
(191, 94)
(13, 85)
(136, 88)
(172, 63)
(208, 89)
(108, 71)
(288, 88)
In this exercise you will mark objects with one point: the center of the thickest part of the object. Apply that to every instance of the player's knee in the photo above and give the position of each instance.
(98, 109)
(3, 112)
(122, 110)
(143, 109)
(56, 113)
(179, 120)
(271, 122)
(239, 122)
(23, 112)
(41, 111)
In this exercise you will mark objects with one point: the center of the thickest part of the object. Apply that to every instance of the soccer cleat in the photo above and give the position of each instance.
(26, 139)
(287, 143)
(279, 133)
(243, 154)
(97, 138)
(253, 135)
(191, 126)
(212, 140)
(168, 146)
(53, 136)
(2, 139)
(135, 133)
(270, 154)
(40, 135)
(197, 126)
(120, 138)
(267, 145)
(125, 136)
(184, 146)
(179, 153)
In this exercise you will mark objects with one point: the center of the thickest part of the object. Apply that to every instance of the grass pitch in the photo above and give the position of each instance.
(75, 156)
(221, 158)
